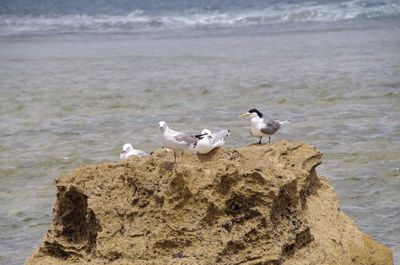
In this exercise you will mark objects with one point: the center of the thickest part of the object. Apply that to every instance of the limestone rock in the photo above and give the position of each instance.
(260, 204)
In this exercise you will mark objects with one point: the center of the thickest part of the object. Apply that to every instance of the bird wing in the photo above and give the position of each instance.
(199, 136)
(141, 153)
(219, 138)
(270, 127)
(186, 138)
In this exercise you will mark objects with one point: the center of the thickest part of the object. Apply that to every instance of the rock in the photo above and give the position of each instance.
(260, 204)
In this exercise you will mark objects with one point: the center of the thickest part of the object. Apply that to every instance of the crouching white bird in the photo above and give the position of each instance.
(208, 141)
(176, 141)
(260, 127)
(128, 150)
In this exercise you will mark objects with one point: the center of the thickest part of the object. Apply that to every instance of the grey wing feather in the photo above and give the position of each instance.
(142, 153)
(186, 138)
(220, 136)
(271, 127)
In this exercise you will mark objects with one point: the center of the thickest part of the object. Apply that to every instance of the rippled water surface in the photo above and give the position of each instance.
(74, 99)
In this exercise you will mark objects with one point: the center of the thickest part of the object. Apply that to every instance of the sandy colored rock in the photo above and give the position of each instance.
(260, 204)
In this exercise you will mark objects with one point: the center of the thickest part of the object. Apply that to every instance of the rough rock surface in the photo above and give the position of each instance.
(260, 204)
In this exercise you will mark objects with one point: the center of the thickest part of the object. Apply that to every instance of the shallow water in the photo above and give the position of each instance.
(74, 99)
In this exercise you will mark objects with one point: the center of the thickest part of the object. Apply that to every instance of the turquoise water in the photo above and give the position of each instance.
(73, 99)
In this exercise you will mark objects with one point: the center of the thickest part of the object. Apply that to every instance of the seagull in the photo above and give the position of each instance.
(208, 141)
(260, 128)
(175, 140)
(128, 150)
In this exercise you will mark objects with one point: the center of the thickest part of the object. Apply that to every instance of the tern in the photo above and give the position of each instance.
(260, 127)
(208, 141)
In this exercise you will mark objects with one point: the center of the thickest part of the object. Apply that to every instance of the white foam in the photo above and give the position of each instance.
(138, 21)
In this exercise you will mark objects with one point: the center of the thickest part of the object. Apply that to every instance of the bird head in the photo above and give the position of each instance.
(163, 125)
(252, 114)
(126, 147)
(206, 132)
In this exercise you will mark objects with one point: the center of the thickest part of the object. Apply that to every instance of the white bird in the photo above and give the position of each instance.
(128, 150)
(260, 128)
(176, 141)
(208, 141)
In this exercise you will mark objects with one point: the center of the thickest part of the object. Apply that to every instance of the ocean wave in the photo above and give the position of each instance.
(140, 21)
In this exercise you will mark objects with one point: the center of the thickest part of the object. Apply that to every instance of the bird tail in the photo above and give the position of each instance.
(285, 122)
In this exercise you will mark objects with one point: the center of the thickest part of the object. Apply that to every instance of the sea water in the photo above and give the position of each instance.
(80, 79)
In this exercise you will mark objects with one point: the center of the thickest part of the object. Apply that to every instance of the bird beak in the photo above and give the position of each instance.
(245, 115)
(123, 152)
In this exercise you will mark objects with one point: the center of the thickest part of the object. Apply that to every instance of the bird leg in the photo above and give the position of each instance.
(174, 156)
(259, 142)
(269, 139)
(182, 154)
